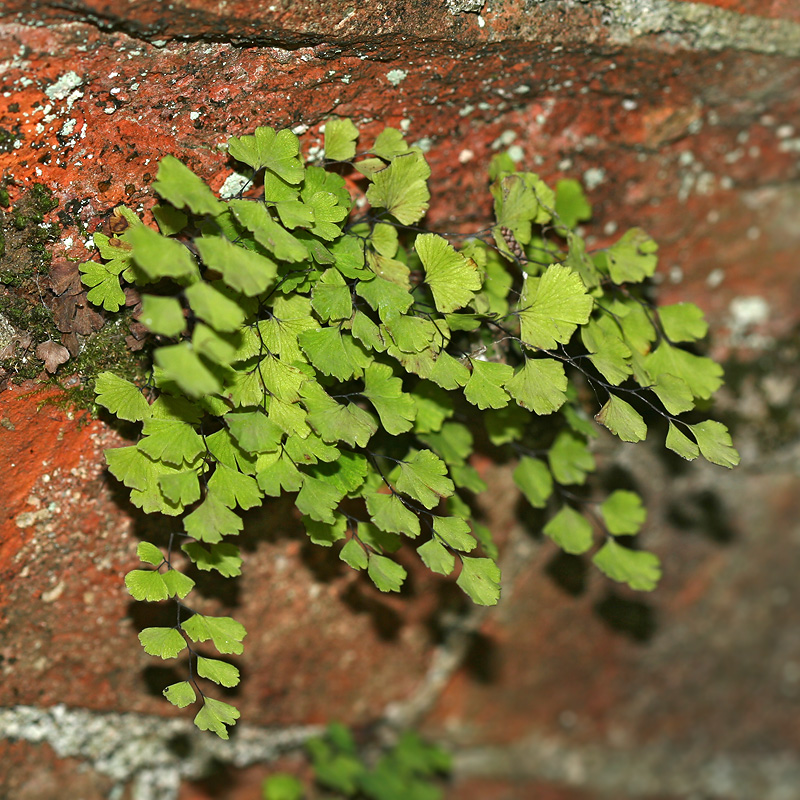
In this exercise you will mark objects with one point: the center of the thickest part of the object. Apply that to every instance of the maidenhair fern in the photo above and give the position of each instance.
(306, 344)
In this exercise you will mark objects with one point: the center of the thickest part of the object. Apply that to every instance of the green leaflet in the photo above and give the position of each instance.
(638, 569)
(224, 558)
(702, 375)
(681, 444)
(160, 257)
(552, 307)
(453, 443)
(225, 449)
(623, 512)
(335, 421)
(455, 533)
(480, 579)
(278, 474)
(165, 643)
(453, 279)
(715, 443)
(145, 584)
(389, 513)
(384, 239)
(121, 397)
(225, 633)
(423, 476)
(212, 520)
(340, 139)
(674, 393)
(484, 387)
(220, 312)
(330, 297)
(104, 280)
(632, 258)
(142, 475)
(178, 584)
(169, 219)
(401, 188)
(171, 441)
(277, 151)
(347, 473)
(354, 555)
(149, 553)
(244, 270)
(328, 214)
(215, 716)
(385, 297)
(519, 200)
(182, 365)
(268, 233)
(318, 499)
(610, 355)
(682, 322)
(295, 214)
(217, 348)
(433, 407)
(539, 385)
(233, 488)
(622, 419)
(218, 671)
(572, 206)
(389, 143)
(162, 315)
(386, 574)
(436, 557)
(178, 185)
(180, 694)
(396, 409)
(408, 333)
(324, 533)
(570, 530)
(253, 431)
(334, 353)
(534, 480)
(570, 458)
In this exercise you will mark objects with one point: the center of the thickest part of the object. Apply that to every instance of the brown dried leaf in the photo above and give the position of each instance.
(63, 309)
(86, 318)
(52, 354)
(65, 277)
(72, 343)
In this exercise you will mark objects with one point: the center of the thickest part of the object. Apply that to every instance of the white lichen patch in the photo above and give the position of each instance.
(396, 76)
(7, 333)
(234, 183)
(465, 6)
(516, 153)
(424, 144)
(135, 748)
(504, 139)
(63, 87)
(593, 177)
(744, 314)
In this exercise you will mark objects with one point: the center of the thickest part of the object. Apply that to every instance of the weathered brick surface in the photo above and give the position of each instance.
(681, 117)
(31, 772)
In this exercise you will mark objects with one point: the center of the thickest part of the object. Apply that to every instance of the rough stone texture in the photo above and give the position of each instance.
(681, 117)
